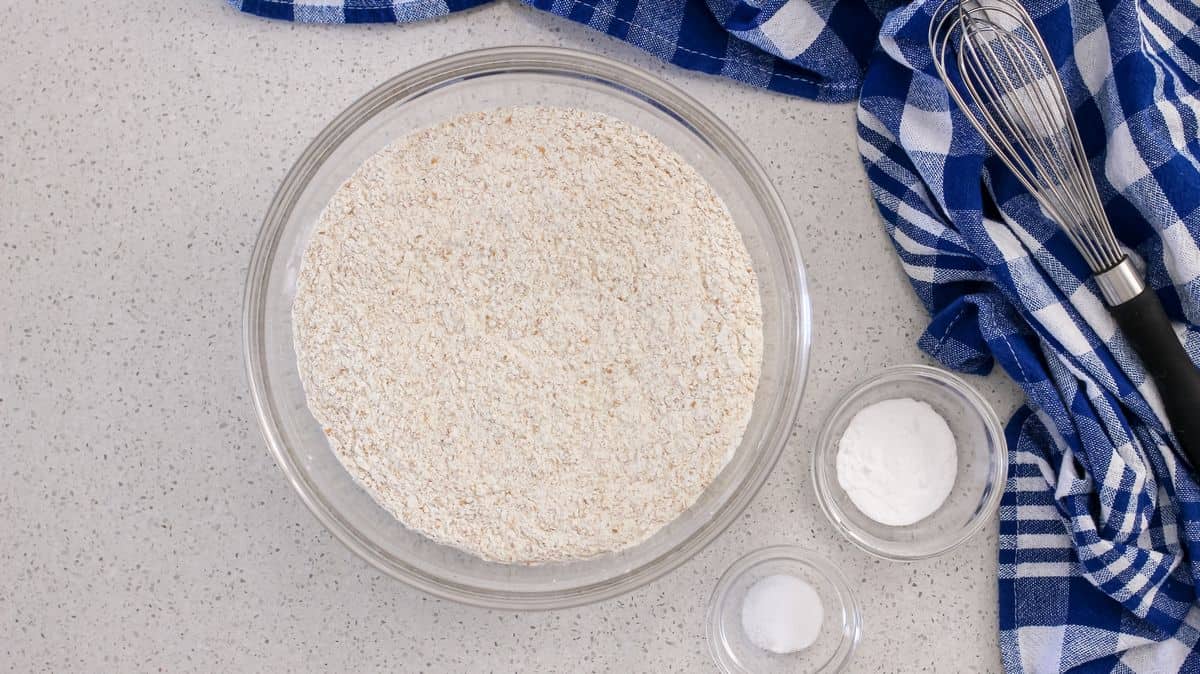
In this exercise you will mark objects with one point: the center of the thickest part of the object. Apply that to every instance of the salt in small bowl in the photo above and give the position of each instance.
(840, 630)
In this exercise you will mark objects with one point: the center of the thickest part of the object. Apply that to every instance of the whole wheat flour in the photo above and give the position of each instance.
(532, 333)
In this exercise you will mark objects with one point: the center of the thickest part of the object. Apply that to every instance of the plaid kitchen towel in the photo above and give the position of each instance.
(816, 49)
(1100, 522)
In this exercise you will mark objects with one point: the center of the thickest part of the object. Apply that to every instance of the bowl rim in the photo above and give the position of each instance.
(410, 85)
(999, 464)
(717, 646)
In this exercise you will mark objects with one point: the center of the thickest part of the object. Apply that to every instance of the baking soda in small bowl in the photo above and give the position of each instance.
(910, 463)
(897, 461)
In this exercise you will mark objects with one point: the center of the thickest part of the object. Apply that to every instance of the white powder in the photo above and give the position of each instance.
(532, 333)
(897, 461)
(782, 614)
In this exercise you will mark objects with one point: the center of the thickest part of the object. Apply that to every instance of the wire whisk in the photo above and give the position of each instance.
(999, 72)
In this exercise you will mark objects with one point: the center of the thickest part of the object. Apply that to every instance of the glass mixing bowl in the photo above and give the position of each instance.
(978, 485)
(841, 628)
(484, 80)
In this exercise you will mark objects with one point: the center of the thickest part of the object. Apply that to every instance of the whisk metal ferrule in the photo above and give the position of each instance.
(1120, 283)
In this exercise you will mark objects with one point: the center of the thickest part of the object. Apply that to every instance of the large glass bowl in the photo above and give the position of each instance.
(483, 80)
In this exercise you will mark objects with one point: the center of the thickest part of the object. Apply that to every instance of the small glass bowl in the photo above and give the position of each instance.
(978, 486)
(733, 651)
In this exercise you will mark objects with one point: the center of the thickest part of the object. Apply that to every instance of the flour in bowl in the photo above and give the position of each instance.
(532, 333)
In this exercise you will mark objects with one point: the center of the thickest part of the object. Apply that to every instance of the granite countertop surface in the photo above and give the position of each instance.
(145, 525)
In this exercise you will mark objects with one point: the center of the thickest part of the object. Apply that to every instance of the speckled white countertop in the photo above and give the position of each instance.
(144, 525)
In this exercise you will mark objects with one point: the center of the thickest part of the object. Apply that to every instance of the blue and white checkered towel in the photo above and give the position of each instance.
(816, 49)
(1100, 522)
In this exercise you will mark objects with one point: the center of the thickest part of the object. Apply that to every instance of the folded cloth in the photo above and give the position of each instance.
(1100, 521)
(816, 49)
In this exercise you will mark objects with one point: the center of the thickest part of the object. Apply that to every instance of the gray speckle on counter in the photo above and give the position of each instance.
(145, 527)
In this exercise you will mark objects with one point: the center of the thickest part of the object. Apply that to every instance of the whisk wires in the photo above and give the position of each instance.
(992, 50)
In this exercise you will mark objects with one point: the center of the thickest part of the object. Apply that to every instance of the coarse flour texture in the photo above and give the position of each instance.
(532, 333)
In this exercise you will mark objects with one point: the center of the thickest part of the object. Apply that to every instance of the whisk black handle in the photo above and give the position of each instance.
(1149, 331)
